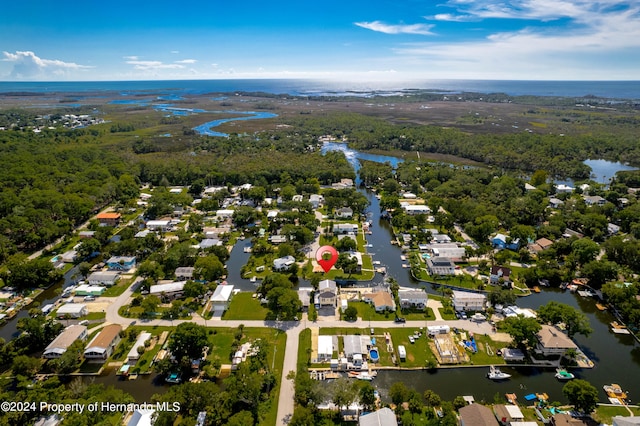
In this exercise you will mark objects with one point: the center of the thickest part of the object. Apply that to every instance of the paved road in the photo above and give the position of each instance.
(292, 330)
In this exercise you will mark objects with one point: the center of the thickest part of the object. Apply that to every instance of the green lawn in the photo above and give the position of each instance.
(304, 350)
(415, 315)
(482, 357)
(604, 414)
(244, 307)
(417, 353)
(368, 313)
(118, 289)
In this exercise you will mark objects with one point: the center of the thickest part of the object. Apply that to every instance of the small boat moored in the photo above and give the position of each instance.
(562, 374)
(495, 374)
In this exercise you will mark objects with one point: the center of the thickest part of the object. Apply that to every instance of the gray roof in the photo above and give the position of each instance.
(383, 417)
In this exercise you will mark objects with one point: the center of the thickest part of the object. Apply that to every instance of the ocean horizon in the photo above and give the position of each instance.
(300, 87)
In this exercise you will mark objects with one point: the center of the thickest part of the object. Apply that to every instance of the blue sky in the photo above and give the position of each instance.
(373, 40)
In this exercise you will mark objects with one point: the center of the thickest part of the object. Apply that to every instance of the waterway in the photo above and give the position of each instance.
(615, 355)
(617, 358)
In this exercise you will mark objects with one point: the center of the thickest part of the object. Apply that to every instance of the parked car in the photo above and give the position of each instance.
(399, 319)
(89, 298)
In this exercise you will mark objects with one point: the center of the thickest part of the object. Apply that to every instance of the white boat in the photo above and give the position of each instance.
(562, 374)
(253, 279)
(495, 374)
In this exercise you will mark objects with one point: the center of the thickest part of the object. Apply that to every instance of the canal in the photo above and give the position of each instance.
(617, 357)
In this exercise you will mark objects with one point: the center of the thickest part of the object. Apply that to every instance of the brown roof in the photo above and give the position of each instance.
(566, 420)
(106, 336)
(545, 243)
(108, 215)
(477, 415)
(551, 337)
(382, 298)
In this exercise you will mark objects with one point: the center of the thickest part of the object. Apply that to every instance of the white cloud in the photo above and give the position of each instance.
(186, 61)
(175, 52)
(153, 65)
(131, 58)
(28, 65)
(451, 17)
(421, 29)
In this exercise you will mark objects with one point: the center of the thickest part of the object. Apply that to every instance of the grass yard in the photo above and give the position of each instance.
(415, 315)
(604, 414)
(118, 289)
(244, 307)
(482, 357)
(418, 353)
(304, 350)
(368, 313)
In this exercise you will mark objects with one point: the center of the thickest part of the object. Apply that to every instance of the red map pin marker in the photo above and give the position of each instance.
(325, 261)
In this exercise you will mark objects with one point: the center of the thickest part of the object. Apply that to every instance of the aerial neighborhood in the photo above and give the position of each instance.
(212, 285)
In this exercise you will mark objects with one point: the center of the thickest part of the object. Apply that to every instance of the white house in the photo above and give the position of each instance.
(283, 263)
(413, 299)
(415, 209)
(468, 301)
(65, 339)
(133, 356)
(74, 310)
(171, 290)
(441, 266)
(383, 417)
(184, 273)
(325, 348)
(158, 225)
(224, 214)
(344, 213)
(102, 346)
(564, 189)
(221, 298)
(345, 228)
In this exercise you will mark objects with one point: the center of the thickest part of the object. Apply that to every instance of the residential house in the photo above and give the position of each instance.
(555, 203)
(529, 187)
(594, 200)
(358, 257)
(441, 266)
(272, 214)
(158, 225)
(304, 294)
(345, 228)
(327, 294)
(381, 301)
(553, 342)
(612, 228)
(102, 346)
(60, 344)
(468, 301)
(316, 200)
(415, 209)
(626, 421)
(278, 239)
(355, 348)
(168, 290)
(500, 275)
(224, 214)
(506, 414)
(564, 189)
(107, 278)
(383, 417)
(209, 242)
(325, 348)
(109, 218)
(283, 263)
(343, 184)
(501, 241)
(221, 299)
(477, 415)
(133, 356)
(562, 419)
(344, 213)
(86, 234)
(72, 310)
(184, 273)
(540, 244)
(413, 299)
(142, 416)
(121, 263)
(89, 290)
(449, 250)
